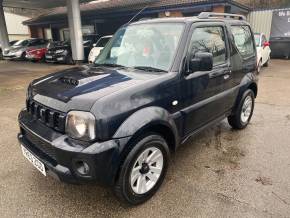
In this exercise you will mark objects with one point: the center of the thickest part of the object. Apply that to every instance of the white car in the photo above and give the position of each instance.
(263, 51)
(101, 43)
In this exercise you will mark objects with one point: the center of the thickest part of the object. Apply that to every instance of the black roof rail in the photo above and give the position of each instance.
(206, 15)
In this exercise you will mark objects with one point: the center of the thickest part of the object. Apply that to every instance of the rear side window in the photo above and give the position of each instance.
(243, 40)
(209, 39)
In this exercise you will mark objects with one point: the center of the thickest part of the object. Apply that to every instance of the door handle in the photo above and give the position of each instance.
(221, 73)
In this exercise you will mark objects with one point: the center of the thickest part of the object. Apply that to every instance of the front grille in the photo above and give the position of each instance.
(40, 144)
(50, 117)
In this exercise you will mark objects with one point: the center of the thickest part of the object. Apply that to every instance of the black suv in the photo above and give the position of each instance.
(155, 84)
(61, 52)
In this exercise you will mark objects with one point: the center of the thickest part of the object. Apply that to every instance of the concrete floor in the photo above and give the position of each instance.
(220, 173)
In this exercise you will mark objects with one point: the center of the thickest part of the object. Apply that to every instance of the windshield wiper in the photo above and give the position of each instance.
(150, 69)
(110, 65)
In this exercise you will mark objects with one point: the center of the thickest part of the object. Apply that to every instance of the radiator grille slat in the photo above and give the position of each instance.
(50, 117)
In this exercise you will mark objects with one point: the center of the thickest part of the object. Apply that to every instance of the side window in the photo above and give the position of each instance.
(243, 40)
(209, 39)
(34, 42)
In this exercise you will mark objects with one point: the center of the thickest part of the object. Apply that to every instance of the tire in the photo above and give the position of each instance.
(134, 172)
(69, 60)
(23, 56)
(267, 63)
(1, 54)
(242, 116)
(42, 60)
(259, 68)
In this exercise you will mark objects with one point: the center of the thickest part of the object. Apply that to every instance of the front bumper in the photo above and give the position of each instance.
(33, 57)
(11, 57)
(59, 154)
(54, 58)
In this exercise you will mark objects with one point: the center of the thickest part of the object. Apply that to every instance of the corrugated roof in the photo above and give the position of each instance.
(122, 5)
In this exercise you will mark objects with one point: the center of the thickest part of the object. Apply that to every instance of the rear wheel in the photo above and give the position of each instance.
(259, 68)
(267, 63)
(243, 114)
(143, 170)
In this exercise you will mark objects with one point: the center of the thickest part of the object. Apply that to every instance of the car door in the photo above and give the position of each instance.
(203, 92)
(243, 52)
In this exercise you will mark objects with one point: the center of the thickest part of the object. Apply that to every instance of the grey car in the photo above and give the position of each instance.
(10, 43)
(19, 49)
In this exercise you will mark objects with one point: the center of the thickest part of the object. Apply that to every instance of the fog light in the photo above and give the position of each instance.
(82, 167)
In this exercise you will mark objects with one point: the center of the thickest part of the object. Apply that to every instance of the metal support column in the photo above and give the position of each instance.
(4, 40)
(75, 29)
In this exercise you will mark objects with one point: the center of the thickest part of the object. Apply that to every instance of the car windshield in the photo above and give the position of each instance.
(21, 43)
(143, 46)
(103, 41)
(257, 39)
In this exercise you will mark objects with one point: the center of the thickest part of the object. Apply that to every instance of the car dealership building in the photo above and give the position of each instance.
(105, 17)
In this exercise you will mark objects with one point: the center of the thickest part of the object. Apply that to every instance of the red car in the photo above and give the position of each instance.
(37, 54)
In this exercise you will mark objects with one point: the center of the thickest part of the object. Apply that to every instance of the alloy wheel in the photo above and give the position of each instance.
(146, 170)
(247, 109)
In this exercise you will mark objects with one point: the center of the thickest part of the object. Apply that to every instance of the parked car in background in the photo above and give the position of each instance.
(61, 52)
(10, 44)
(36, 54)
(97, 47)
(19, 49)
(263, 51)
(156, 83)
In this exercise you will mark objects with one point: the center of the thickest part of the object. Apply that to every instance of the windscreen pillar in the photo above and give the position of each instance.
(75, 29)
(4, 40)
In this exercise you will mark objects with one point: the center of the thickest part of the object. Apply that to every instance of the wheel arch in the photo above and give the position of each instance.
(248, 82)
(152, 123)
(146, 119)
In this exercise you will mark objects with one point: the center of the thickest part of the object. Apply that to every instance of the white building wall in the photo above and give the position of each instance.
(16, 30)
(261, 21)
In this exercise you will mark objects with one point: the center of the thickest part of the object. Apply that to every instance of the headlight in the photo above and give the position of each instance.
(80, 125)
(59, 51)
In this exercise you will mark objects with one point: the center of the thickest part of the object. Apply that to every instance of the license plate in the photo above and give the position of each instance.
(32, 159)
(48, 56)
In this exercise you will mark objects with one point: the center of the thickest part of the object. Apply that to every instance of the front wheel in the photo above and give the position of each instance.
(143, 170)
(243, 114)
(69, 60)
(23, 56)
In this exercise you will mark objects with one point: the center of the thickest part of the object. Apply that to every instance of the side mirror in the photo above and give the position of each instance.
(266, 44)
(95, 45)
(202, 61)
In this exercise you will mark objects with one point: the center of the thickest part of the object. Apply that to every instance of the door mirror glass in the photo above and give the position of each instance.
(202, 61)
